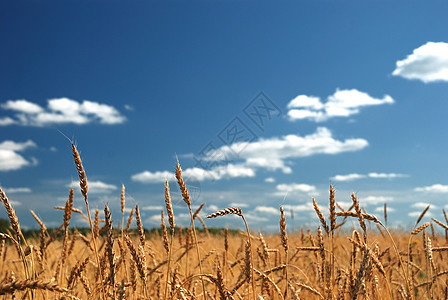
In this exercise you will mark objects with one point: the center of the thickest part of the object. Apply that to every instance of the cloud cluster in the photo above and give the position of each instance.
(356, 176)
(59, 111)
(270, 154)
(10, 159)
(343, 103)
(427, 63)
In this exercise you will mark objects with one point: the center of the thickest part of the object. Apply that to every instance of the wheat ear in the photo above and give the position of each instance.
(170, 212)
(110, 247)
(187, 200)
(84, 188)
(284, 239)
(239, 212)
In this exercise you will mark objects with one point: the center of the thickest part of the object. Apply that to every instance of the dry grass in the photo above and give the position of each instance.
(330, 261)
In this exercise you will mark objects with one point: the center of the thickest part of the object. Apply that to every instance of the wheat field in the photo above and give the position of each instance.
(351, 255)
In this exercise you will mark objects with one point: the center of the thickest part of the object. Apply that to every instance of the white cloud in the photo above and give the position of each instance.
(5, 121)
(17, 190)
(96, 187)
(240, 205)
(374, 200)
(343, 103)
(212, 208)
(348, 177)
(303, 101)
(295, 187)
(435, 188)
(355, 176)
(345, 204)
(60, 111)
(152, 207)
(220, 172)
(427, 63)
(299, 208)
(269, 179)
(13, 146)
(386, 175)
(423, 205)
(415, 214)
(381, 209)
(10, 159)
(153, 177)
(23, 106)
(267, 210)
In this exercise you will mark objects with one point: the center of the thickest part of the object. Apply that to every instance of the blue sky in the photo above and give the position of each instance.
(349, 93)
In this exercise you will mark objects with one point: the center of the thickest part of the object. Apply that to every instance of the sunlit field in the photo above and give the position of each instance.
(351, 255)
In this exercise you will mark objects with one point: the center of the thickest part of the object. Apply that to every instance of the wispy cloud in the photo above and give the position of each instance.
(427, 63)
(348, 177)
(295, 187)
(152, 207)
(386, 175)
(343, 103)
(153, 177)
(423, 205)
(435, 188)
(18, 190)
(59, 111)
(380, 209)
(356, 176)
(96, 187)
(129, 107)
(237, 204)
(416, 214)
(269, 179)
(300, 207)
(267, 210)
(10, 159)
(374, 200)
